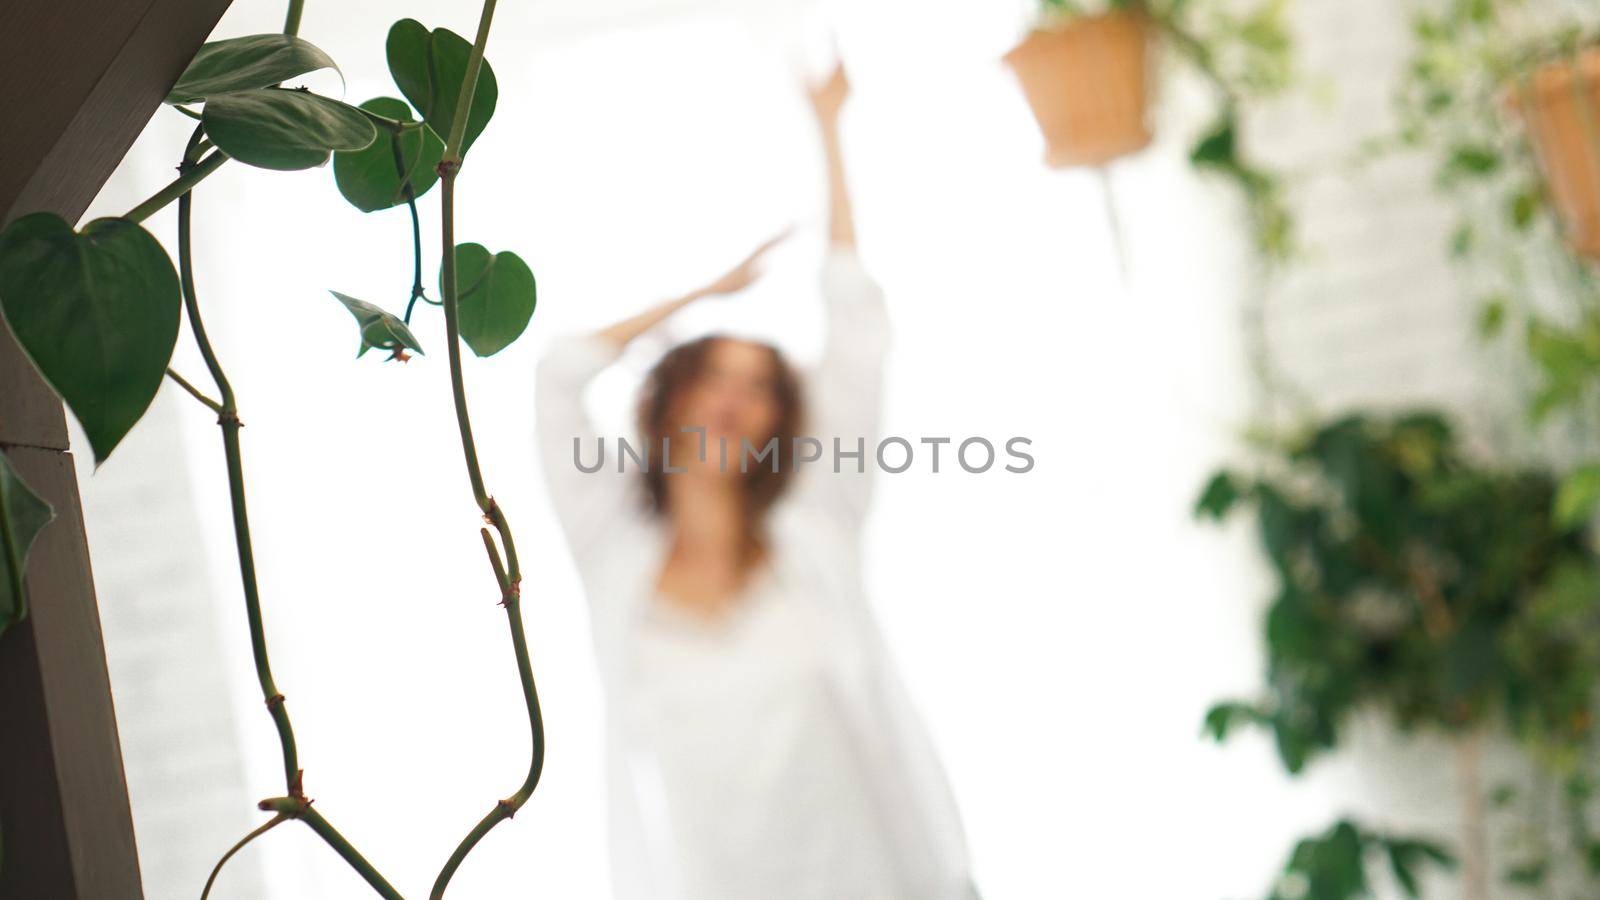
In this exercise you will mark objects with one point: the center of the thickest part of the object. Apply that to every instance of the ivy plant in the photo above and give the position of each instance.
(97, 310)
(1414, 582)
(1243, 55)
(1468, 57)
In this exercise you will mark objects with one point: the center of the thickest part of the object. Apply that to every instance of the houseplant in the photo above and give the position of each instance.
(1439, 592)
(97, 311)
(1500, 95)
(1085, 69)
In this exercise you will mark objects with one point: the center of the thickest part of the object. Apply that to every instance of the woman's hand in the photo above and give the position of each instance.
(828, 96)
(827, 99)
(737, 279)
(745, 273)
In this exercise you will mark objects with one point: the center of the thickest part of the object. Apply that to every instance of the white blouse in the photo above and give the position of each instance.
(770, 755)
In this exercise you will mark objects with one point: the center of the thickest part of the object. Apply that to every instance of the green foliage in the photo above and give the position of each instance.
(284, 129)
(1412, 581)
(429, 67)
(1579, 494)
(1335, 864)
(379, 329)
(251, 119)
(244, 63)
(97, 312)
(1566, 362)
(1468, 57)
(376, 177)
(497, 297)
(22, 516)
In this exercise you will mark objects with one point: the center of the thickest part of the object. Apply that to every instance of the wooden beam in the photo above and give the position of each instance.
(78, 80)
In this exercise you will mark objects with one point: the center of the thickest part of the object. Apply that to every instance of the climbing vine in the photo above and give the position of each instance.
(97, 310)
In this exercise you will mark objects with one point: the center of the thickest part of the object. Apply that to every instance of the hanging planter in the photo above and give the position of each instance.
(1087, 83)
(1559, 104)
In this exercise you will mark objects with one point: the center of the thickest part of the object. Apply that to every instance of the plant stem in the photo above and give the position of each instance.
(416, 224)
(417, 291)
(291, 21)
(188, 177)
(508, 573)
(217, 869)
(349, 854)
(228, 421)
(195, 392)
(469, 86)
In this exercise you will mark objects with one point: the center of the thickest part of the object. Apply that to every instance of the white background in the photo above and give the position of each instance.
(1063, 631)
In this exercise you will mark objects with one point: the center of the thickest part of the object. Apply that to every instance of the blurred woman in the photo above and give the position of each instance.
(761, 747)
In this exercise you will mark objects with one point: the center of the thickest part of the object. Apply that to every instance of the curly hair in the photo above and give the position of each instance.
(677, 371)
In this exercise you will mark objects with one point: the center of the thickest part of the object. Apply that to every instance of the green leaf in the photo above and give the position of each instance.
(1522, 208)
(282, 129)
(243, 63)
(1407, 856)
(22, 516)
(97, 312)
(1218, 148)
(379, 329)
(1491, 317)
(1529, 874)
(1577, 498)
(1222, 718)
(1469, 161)
(429, 68)
(1218, 498)
(1404, 874)
(371, 178)
(1328, 866)
(497, 295)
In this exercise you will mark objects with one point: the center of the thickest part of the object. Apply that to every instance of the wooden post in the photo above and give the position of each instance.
(78, 80)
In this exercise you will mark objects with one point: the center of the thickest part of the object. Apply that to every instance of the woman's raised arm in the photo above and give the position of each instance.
(846, 387)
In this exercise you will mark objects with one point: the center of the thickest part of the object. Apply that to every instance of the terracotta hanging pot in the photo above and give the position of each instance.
(1559, 103)
(1087, 83)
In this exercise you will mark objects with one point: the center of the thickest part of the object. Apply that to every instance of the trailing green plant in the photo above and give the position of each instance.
(1244, 56)
(1416, 583)
(97, 310)
(1468, 59)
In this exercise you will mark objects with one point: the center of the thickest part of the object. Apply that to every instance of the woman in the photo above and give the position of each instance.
(760, 748)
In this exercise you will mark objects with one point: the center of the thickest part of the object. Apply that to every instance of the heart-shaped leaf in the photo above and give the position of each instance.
(97, 312)
(373, 178)
(1579, 495)
(378, 329)
(243, 63)
(497, 295)
(429, 67)
(283, 129)
(22, 516)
